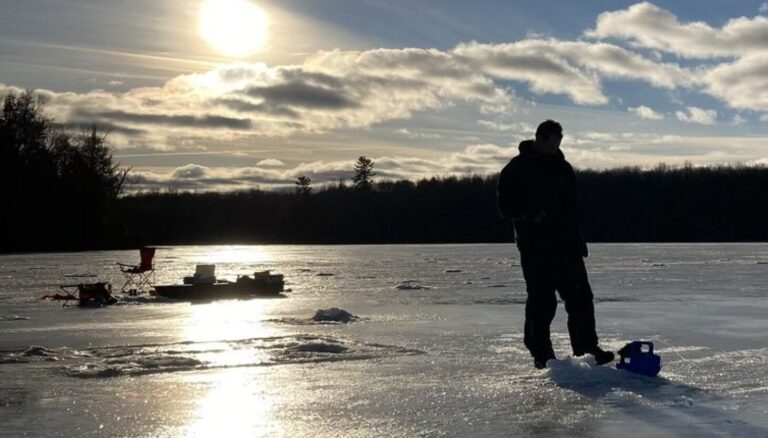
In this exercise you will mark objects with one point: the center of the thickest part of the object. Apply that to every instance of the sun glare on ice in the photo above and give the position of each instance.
(235, 28)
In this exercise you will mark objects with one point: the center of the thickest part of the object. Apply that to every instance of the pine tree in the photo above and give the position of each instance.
(363, 173)
(303, 185)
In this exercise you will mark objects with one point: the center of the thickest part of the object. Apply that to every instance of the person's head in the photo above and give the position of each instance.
(548, 136)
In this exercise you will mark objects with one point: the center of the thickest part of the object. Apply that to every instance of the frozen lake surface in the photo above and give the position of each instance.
(437, 349)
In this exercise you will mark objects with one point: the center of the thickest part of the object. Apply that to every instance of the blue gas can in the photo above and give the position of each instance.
(638, 357)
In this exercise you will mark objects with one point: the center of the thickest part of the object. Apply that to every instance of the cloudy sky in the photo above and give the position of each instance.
(232, 94)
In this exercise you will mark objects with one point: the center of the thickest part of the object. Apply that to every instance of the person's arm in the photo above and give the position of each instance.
(514, 200)
(575, 211)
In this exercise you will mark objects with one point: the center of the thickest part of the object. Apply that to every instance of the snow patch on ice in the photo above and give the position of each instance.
(680, 402)
(37, 350)
(331, 316)
(14, 318)
(144, 299)
(315, 347)
(334, 314)
(584, 372)
(619, 387)
(30, 354)
(93, 372)
(411, 285)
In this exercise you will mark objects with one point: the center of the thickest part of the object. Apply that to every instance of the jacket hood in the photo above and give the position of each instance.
(526, 148)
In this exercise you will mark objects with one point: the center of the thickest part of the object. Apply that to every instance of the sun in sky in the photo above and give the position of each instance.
(235, 28)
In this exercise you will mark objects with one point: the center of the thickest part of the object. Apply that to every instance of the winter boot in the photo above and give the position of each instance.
(540, 362)
(601, 357)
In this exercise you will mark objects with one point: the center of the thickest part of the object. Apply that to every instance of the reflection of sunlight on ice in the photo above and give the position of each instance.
(228, 320)
(237, 255)
(237, 405)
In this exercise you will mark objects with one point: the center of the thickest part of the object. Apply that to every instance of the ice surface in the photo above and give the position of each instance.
(135, 360)
(447, 360)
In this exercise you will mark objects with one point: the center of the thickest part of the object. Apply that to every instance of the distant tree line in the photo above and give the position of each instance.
(689, 204)
(61, 191)
(58, 188)
(433, 210)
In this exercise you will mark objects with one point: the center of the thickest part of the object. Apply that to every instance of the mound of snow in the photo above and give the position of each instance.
(584, 375)
(334, 314)
(411, 285)
(320, 347)
(37, 350)
(14, 318)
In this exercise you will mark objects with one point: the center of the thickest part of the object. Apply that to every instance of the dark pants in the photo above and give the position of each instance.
(546, 272)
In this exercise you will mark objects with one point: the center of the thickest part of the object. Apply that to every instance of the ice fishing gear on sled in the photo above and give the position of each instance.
(88, 294)
(638, 357)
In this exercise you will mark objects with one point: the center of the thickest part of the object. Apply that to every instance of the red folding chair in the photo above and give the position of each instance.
(142, 275)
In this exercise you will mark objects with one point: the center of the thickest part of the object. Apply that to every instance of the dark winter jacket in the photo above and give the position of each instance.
(537, 194)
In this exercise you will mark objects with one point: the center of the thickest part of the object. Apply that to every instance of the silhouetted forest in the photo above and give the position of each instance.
(621, 205)
(61, 192)
(58, 188)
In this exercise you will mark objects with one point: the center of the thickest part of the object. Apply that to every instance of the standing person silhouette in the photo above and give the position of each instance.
(536, 192)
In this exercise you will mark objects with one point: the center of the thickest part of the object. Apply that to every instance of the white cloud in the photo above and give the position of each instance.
(333, 90)
(649, 26)
(418, 135)
(743, 83)
(516, 127)
(764, 117)
(571, 68)
(738, 120)
(270, 162)
(763, 8)
(645, 112)
(740, 83)
(697, 115)
(190, 171)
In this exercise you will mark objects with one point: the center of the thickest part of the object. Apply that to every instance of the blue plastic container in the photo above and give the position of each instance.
(638, 357)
